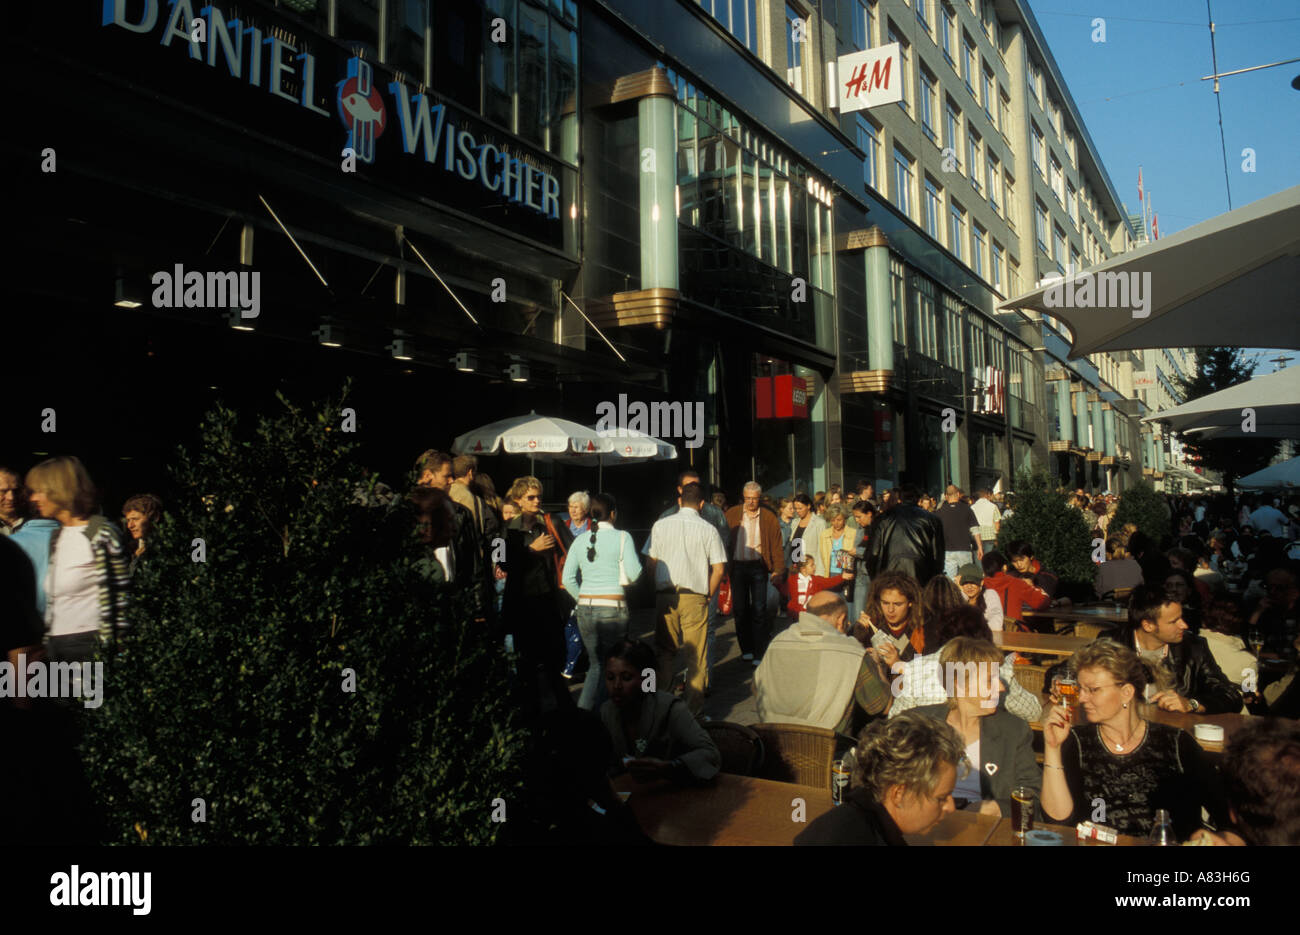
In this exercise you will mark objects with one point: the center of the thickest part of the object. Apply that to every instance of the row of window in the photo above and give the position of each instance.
(524, 84)
(739, 188)
(935, 330)
(738, 17)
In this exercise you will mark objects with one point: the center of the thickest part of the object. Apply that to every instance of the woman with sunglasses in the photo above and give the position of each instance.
(531, 605)
(600, 559)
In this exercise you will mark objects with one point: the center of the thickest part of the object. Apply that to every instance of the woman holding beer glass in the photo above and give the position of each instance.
(997, 742)
(1133, 766)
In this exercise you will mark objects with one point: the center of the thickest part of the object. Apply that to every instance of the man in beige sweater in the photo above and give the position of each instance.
(817, 675)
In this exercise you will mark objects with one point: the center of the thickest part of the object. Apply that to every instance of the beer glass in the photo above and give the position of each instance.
(839, 781)
(1068, 691)
(1022, 810)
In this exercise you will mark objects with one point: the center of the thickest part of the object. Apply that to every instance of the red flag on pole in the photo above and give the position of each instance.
(1155, 226)
(1139, 183)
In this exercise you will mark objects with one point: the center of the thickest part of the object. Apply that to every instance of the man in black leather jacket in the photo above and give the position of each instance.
(908, 539)
(1159, 634)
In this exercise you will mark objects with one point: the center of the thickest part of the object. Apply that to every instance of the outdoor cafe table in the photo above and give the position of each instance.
(1004, 836)
(742, 810)
(1043, 643)
(1230, 723)
(1106, 614)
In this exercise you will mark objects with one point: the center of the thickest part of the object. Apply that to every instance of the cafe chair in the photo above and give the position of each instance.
(740, 747)
(1031, 678)
(1089, 631)
(797, 754)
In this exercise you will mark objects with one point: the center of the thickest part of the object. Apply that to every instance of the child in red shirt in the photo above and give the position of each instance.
(1017, 594)
(803, 584)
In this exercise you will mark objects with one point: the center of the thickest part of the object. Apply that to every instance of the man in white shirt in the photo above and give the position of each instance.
(687, 557)
(990, 517)
(1271, 520)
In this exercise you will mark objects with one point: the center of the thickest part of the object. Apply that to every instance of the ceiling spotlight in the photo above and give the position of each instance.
(401, 346)
(120, 298)
(236, 320)
(466, 361)
(517, 372)
(325, 335)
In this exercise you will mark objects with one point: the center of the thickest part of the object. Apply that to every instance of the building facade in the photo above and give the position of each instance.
(488, 206)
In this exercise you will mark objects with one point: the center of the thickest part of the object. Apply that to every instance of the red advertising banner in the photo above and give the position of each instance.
(783, 397)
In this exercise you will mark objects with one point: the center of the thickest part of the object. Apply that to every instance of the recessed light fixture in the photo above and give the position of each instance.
(236, 320)
(517, 372)
(120, 298)
(466, 361)
(401, 346)
(325, 335)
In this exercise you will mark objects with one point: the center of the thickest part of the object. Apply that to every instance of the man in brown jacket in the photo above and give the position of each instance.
(757, 555)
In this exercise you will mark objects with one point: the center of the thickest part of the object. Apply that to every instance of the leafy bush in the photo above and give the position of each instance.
(230, 685)
(1060, 536)
(1145, 508)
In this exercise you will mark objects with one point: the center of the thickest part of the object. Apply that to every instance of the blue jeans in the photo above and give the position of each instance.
(952, 562)
(861, 586)
(601, 628)
(749, 597)
(572, 644)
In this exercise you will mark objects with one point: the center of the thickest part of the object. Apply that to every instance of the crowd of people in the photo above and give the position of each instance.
(853, 611)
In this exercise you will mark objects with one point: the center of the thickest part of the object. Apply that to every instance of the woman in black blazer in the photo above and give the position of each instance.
(1005, 755)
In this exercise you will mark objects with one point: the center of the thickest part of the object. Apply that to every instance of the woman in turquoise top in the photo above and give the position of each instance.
(592, 576)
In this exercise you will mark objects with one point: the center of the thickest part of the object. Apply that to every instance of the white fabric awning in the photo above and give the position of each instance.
(1275, 399)
(1233, 280)
(1286, 474)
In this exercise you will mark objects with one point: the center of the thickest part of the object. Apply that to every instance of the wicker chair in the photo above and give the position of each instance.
(1089, 631)
(741, 749)
(793, 753)
(1031, 678)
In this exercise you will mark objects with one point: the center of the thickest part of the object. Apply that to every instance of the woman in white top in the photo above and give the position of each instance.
(88, 581)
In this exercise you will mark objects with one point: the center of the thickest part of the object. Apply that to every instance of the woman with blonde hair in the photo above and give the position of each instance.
(1135, 766)
(88, 582)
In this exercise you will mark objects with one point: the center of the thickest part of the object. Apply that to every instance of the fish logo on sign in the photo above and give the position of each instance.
(361, 109)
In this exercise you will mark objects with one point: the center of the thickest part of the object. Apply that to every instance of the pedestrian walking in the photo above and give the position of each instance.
(756, 559)
(688, 558)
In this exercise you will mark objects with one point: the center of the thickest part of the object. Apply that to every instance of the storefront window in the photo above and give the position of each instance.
(357, 25)
(898, 298)
(925, 338)
(407, 22)
(499, 68)
(688, 170)
(532, 92)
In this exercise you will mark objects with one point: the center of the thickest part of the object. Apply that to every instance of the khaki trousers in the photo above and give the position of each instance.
(683, 622)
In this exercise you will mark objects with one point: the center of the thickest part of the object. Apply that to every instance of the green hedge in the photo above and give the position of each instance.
(230, 686)
(1061, 537)
(1145, 508)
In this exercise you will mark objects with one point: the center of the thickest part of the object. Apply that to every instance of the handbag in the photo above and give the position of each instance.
(724, 596)
(560, 554)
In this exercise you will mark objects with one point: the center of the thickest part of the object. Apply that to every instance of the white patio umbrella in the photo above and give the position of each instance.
(536, 436)
(1232, 281)
(628, 447)
(1286, 474)
(1275, 399)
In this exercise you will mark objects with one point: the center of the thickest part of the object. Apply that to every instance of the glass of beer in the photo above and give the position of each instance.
(1068, 690)
(839, 781)
(1022, 810)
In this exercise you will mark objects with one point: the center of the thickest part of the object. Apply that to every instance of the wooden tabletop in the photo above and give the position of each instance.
(1044, 643)
(959, 829)
(1230, 723)
(1106, 612)
(728, 810)
(1004, 836)
(741, 810)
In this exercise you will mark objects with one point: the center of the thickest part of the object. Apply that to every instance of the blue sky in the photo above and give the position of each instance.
(1142, 99)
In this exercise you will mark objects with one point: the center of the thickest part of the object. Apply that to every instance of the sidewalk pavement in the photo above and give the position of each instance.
(731, 693)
